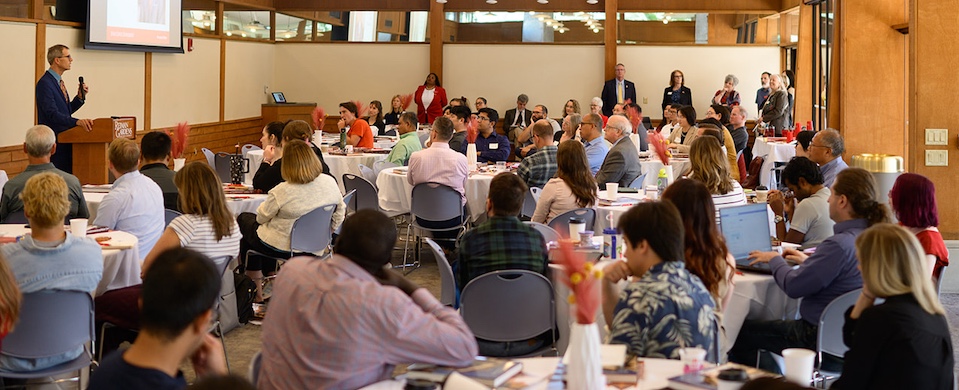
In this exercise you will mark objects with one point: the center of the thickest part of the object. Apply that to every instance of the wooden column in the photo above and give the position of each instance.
(436, 23)
(932, 48)
(872, 79)
(805, 71)
(611, 33)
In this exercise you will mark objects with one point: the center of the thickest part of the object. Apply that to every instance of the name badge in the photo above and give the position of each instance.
(493, 146)
(669, 93)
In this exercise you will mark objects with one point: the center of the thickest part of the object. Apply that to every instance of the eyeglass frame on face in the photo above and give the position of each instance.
(818, 146)
(480, 118)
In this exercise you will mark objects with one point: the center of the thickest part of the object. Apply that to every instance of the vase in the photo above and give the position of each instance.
(670, 178)
(471, 156)
(585, 370)
(178, 163)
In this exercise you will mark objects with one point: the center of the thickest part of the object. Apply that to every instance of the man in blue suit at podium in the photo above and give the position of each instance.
(54, 107)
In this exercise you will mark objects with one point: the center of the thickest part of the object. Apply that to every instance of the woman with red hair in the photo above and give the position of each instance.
(913, 200)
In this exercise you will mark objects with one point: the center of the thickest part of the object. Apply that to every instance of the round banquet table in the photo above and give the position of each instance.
(652, 166)
(121, 266)
(395, 191)
(755, 297)
(238, 203)
(604, 213)
(350, 164)
(773, 152)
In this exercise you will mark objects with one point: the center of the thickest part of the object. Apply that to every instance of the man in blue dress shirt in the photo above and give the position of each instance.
(54, 107)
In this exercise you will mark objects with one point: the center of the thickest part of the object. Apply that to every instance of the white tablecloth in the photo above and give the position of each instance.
(395, 192)
(237, 203)
(121, 267)
(773, 152)
(652, 166)
(350, 164)
(603, 213)
(755, 297)
(256, 158)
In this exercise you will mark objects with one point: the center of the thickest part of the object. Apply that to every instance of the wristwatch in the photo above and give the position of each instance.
(778, 219)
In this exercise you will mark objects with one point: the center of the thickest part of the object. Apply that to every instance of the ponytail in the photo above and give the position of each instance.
(859, 186)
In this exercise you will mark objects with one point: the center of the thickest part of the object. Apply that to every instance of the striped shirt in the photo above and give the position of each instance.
(196, 232)
(736, 197)
(439, 164)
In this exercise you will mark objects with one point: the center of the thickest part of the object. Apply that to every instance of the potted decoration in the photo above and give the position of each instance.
(179, 136)
(585, 369)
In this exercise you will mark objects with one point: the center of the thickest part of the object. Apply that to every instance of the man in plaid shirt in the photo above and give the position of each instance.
(539, 167)
(503, 242)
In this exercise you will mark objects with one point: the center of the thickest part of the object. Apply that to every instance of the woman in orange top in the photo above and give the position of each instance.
(360, 134)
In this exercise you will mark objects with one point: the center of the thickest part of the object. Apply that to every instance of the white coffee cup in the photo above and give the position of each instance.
(612, 189)
(799, 365)
(349, 149)
(78, 227)
(692, 358)
(762, 195)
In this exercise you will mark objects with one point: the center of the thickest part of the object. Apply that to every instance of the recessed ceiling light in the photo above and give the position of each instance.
(490, 1)
(441, 1)
(592, 1)
(543, 1)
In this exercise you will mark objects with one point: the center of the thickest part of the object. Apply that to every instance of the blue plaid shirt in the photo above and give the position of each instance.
(539, 167)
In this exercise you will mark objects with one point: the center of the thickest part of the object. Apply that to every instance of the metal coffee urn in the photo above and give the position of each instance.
(884, 167)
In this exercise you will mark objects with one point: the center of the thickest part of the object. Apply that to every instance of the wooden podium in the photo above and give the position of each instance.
(90, 163)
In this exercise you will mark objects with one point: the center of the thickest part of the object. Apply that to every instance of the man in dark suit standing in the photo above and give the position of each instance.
(54, 107)
(517, 119)
(622, 162)
(617, 90)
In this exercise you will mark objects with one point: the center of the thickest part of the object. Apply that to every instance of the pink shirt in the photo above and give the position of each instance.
(331, 325)
(439, 164)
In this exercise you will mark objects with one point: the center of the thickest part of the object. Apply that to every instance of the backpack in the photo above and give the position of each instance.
(245, 294)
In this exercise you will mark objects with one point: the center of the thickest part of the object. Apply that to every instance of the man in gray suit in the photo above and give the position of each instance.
(622, 162)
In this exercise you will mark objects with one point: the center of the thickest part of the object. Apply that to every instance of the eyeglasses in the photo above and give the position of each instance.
(811, 145)
(66, 56)
(482, 118)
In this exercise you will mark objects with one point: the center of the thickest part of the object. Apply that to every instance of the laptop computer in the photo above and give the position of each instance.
(278, 98)
(746, 229)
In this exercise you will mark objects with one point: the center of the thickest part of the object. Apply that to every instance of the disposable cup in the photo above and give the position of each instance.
(692, 358)
(78, 227)
(762, 195)
(612, 189)
(799, 364)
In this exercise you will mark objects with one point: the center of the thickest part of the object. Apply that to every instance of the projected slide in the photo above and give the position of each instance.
(137, 23)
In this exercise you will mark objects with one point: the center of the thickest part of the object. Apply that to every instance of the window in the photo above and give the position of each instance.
(557, 27)
(292, 28)
(247, 24)
(202, 22)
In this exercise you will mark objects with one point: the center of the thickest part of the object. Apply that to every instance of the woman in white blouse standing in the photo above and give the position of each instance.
(573, 187)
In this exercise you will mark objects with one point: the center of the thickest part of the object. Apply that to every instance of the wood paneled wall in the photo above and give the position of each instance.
(932, 53)
(873, 79)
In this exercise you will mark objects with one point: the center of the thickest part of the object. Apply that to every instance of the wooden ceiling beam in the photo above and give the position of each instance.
(683, 6)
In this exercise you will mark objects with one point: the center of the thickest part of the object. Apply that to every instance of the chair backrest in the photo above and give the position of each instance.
(939, 275)
(487, 301)
(16, 217)
(313, 231)
(561, 222)
(222, 166)
(247, 148)
(366, 195)
(529, 204)
(169, 215)
(51, 322)
(391, 133)
(535, 191)
(548, 233)
(368, 174)
(829, 339)
(255, 366)
(349, 199)
(209, 157)
(435, 202)
(423, 138)
(381, 165)
(447, 281)
(638, 181)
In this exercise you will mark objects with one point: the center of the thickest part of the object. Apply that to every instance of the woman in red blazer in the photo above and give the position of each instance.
(430, 99)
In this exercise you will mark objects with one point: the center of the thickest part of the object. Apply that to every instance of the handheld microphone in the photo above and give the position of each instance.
(83, 95)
